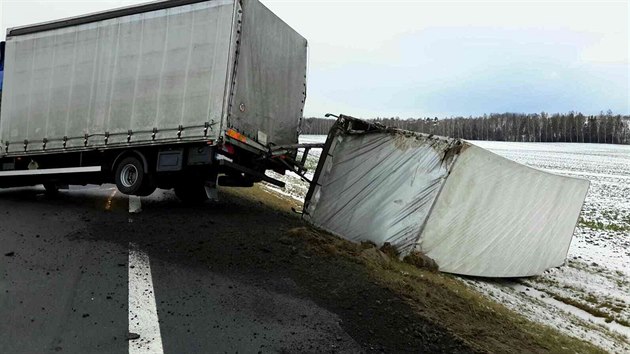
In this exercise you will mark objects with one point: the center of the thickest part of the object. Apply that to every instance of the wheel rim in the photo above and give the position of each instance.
(128, 175)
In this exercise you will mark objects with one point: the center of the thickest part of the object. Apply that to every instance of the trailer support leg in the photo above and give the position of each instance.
(135, 204)
(211, 190)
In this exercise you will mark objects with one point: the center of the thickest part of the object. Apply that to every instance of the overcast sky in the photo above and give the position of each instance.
(439, 58)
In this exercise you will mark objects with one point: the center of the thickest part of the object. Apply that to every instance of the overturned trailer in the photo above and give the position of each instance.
(469, 210)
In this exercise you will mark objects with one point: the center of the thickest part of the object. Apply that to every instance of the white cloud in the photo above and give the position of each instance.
(608, 49)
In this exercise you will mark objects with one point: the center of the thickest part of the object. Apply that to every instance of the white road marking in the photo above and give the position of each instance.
(143, 317)
(51, 171)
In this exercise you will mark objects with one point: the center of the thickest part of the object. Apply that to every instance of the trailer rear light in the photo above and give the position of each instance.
(229, 149)
(236, 135)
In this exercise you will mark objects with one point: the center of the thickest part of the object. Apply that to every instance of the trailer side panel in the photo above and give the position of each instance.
(161, 70)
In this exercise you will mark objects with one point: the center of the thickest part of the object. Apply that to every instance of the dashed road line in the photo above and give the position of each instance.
(143, 317)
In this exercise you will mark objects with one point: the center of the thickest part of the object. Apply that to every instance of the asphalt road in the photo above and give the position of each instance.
(65, 286)
(79, 274)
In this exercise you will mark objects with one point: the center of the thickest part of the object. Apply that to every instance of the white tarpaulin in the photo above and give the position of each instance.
(158, 72)
(471, 211)
(158, 69)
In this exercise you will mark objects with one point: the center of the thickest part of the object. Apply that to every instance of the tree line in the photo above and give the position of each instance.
(604, 127)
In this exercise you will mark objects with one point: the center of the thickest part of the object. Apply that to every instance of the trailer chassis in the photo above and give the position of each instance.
(233, 161)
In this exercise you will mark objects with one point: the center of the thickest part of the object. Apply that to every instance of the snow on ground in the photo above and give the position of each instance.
(296, 187)
(588, 297)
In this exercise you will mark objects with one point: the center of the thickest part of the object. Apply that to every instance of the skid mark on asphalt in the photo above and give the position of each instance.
(143, 317)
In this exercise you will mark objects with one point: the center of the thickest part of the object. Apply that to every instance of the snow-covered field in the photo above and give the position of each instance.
(589, 297)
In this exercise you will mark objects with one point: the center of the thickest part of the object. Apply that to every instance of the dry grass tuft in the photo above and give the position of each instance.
(421, 261)
(389, 250)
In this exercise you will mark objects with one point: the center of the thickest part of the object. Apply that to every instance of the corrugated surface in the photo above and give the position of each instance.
(498, 218)
(99, 16)
(158, 69)
(270, 78)
(379, 187)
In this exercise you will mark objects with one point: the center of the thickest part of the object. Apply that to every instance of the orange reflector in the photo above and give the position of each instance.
(236, 135)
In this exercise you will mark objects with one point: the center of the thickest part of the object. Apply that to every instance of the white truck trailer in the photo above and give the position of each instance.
(171, 94)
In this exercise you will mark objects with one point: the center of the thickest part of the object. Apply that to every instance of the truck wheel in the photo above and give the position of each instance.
(191, 193)
(132, 179)
(51, 189)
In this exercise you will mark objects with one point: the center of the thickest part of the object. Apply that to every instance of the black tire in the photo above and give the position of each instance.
(132, 179)
(191, 192)
(148, 187)
(51, 189)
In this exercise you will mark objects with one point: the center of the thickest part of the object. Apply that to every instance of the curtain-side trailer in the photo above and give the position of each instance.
(172, 94)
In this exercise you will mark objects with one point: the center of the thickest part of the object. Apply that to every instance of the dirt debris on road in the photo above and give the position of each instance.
(250, 236)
